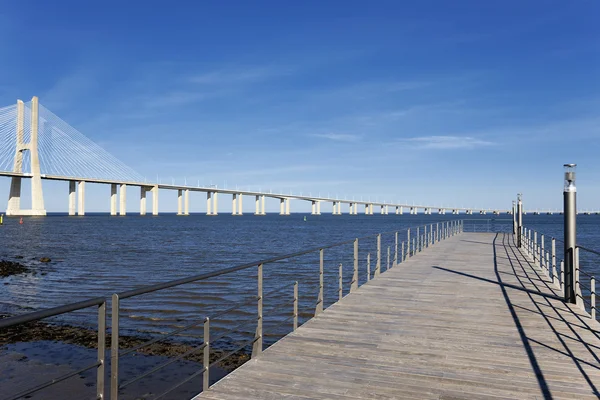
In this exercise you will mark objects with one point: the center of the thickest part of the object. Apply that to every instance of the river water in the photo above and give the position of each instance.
(98, 255)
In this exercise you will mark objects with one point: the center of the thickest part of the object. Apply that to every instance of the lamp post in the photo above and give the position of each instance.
(570, 231)
(519, 219)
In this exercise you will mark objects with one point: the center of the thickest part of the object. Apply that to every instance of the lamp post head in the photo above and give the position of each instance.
(570, 177)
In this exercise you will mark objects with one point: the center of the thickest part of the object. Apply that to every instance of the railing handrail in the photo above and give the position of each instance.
(50, 312)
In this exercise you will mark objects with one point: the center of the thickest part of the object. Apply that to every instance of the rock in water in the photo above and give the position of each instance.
(45, 259)
(8, 268)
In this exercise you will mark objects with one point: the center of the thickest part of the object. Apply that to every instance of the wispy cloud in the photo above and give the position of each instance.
(446, 142)
(238, 75)
(338, 137)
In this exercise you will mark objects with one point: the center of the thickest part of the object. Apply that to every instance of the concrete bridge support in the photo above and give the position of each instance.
(186, 202)
(72, 198)
(179, 202)
(154, 191)
(313, 208)
(143, 191)
(123, 200)
(257, 206)
(234, 207)
(318, 208)
(240, 208)
(211, 203)
(113, 199)
(81, 198)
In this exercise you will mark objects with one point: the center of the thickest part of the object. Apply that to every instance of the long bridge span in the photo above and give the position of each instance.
(38, 145)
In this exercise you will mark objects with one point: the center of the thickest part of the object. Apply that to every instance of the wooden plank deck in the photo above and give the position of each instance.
(468, 318)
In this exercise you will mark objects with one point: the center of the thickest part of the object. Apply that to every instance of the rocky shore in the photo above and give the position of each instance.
(41, 331)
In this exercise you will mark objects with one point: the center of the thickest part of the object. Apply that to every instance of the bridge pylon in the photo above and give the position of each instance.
(37, 196)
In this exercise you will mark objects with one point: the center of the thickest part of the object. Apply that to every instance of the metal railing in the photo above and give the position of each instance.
(488, 225)
(546, 260)
(417, 240)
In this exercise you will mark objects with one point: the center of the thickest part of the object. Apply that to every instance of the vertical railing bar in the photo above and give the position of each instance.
(257, 348)
(395, 249)
(593, 297)
(114, 348)
(378, 264)
(388, 258)
(368, 267)
(354, 283)
(206, 355)
(295, 305)
(319, 308)
(554, 273)
(403, 255)
(100, 373)
(340, 283)
(562, 274)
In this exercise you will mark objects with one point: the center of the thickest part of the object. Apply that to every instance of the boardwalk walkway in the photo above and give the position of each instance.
(468, 318)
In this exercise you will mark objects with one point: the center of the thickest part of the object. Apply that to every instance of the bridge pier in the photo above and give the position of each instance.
(154, 191)
(81, 198)
(143, 200)
(113, 199)
(241, 197)
(211, 203)
(186, 202)
(313, 208)
(72, 198)
(282, 206)
(234, 208)
(179, 202)
(260, 200)
(123, 200)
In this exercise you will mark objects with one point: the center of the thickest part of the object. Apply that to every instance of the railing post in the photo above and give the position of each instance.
(593, 297)
(295, 305)
(388, 259)
(418, 247)
(258, 339)
(408, 240)
(579, 297)
(368, 267)
(354, 283)
(535, 248)
(424, 241)
(206, 355)
(395, 249)
(378, 264)
(114, 348)
(542, 252)
(548, 268)
(101, 350)
(554, 275)
(437, 231)
(562, 274)
(519, 220)
(319, 308)
(340, 284)
(403, 254)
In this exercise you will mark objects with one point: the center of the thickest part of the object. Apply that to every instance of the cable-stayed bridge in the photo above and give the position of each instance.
(38, 145)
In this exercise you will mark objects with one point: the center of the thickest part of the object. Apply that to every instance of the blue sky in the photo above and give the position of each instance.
(460, 103)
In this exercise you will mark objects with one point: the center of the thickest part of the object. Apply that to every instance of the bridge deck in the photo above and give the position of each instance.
(468, 318)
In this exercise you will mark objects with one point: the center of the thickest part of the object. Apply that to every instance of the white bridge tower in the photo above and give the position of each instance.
(37, 197)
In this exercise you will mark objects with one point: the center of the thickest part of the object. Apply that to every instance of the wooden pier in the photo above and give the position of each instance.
(468, 318)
